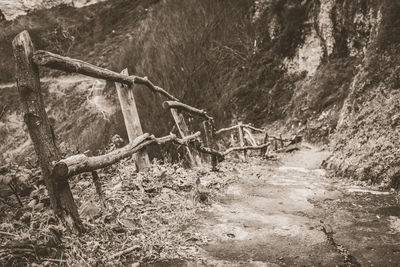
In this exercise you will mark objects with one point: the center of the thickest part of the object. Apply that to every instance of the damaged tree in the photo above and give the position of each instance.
(41, 132)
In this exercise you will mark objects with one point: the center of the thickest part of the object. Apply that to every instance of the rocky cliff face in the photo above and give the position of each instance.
(341, 80)
(14, 8)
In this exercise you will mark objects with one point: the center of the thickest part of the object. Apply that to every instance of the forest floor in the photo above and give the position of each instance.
(257, 212)
(288, 213)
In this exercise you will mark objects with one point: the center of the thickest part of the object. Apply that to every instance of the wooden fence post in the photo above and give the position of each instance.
(210, 143)
(264, 150)
(41, 132)
(241, 139)
(183, 131)
(132, 121)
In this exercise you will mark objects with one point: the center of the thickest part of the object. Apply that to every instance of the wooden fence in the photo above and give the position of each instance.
(56, 170)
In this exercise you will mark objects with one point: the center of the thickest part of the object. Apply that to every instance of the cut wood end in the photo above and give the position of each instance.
(60, 170)
(166, 105)
(21, 38)
(23, 41)
(39, 57)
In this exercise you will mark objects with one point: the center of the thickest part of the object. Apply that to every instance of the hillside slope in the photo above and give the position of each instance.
(327, 69)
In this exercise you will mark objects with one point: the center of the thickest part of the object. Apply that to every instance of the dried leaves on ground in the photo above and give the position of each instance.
(142, 217)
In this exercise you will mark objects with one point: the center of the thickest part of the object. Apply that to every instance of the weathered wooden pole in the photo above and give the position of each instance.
(132, 120)
(41, 132)
(241, 139)
(263, 151)
(209, 138)
(183, 131)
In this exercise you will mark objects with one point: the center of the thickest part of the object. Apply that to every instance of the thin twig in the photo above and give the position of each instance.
(9, 234)
(55, 260)
(14, 190)
(3, 111)
(125, 251)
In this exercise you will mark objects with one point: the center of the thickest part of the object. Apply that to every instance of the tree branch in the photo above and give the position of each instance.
(180, 106)
(236, 126)
(51, 60)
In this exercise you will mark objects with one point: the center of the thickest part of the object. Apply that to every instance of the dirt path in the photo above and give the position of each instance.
(291, 215)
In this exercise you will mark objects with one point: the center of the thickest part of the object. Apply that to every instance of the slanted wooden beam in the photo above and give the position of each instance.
(81, 163)
(253, 128)
(184, 131)
(226, 129)
(51, 60)
(180, 106)
(250, 137)
(41, 132)
(132, 121)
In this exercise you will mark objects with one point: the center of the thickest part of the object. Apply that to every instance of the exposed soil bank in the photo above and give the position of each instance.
(289, 214)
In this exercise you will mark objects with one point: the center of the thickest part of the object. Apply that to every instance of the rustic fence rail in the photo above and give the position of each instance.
(81, 163)
(56, 171)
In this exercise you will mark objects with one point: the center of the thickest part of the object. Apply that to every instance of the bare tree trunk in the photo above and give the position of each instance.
(40, 131)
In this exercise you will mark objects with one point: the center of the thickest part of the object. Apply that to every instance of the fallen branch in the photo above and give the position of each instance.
(125, 251)
(51, 60)
(81, 163)
(180, 106)
(229, 150)
(54, 260)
